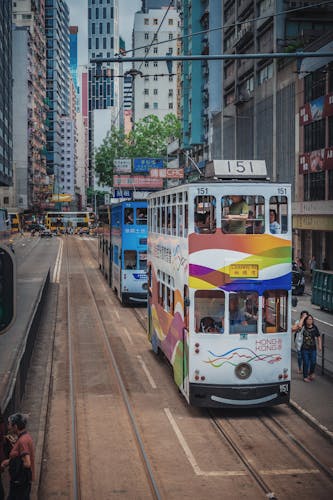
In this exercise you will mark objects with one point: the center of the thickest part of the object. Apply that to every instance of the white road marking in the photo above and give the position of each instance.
(148, 375)
(57, 267)
(116, 313)
(128, 335)
(190, 457)
(226, 473)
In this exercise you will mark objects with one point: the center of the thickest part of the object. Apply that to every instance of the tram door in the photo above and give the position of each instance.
(185, 378)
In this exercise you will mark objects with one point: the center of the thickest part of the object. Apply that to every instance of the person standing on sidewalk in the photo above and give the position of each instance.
(311, 337)
(298, 338)
(21, 461)
(312, 264)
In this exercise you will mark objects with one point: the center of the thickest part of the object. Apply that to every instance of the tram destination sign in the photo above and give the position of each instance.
(243, 270)
(236, 168)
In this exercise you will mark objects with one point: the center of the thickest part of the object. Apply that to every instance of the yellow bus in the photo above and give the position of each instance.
(15, 222)
(67, 221)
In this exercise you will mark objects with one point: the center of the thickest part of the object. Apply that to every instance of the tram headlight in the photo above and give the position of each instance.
(145, 286)
(243, 371)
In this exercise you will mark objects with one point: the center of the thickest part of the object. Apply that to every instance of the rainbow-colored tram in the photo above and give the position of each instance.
(219, 285)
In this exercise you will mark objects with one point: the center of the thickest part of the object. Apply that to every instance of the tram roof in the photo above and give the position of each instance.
(236, 170)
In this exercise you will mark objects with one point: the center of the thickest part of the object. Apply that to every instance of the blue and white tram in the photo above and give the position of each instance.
(219, 282)
(128, 251)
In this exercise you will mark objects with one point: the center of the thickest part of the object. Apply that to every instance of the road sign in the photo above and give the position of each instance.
(143, 165)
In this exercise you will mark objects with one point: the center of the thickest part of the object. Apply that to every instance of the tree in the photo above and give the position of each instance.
(148, 138)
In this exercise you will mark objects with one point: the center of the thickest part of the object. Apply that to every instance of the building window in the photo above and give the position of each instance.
(155, 105)
(146, 64)
(170, 93)
(170, 78)
(314, 136)
(100, 28)
(104, 43)
(314, 186)
(170, 36)
(155, 50)
(93, 28)
(146, 105)
(265, 73)
(97, 43)
(155, 21)
(108, 28)
(170, 22)
(170, 105)
(155, 64)
(146, 36)
(146, 21)
(146, 78)
(155, 91)
(146, 91)
(155, 78)
(330, 184)
(314, 85)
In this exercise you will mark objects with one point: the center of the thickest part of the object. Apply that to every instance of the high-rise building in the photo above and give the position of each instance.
(153, 4)
(57, 78)
(6, 166)
(73, 36)
(29, 105)
(103, 42)
(155, 33)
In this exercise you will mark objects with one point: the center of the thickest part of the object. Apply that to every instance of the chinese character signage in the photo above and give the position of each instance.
(316, 161)
(122, 166)
(137, 181)
(143, 165)
(316, 110)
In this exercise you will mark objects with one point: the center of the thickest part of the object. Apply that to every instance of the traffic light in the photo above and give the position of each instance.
(7, 289)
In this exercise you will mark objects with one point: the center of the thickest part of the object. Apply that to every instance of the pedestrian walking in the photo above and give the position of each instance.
(297, 330)
(311, 339)
(21, 461)
(312, 264)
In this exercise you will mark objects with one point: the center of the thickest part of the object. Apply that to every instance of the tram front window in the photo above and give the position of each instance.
(209, 311)
(275, 311)
(129, 259)
(243, 312)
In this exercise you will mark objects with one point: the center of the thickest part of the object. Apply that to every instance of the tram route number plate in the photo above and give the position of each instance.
(243, 270)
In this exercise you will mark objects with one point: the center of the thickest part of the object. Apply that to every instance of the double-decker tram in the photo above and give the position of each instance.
(219, 285)
(63, 221)
(123, 251)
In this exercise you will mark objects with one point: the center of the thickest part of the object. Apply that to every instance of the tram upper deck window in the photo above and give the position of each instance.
(205, 214)
(275, 311)
(143, 261)
(243, 312)
(278, 214)
(129, 216)
(141, 216)
(209, 311)
(243, 214)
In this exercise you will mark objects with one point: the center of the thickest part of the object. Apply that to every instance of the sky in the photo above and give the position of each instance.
(78, 17)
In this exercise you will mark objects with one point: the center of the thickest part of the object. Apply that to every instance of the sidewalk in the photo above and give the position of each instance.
(313, 400)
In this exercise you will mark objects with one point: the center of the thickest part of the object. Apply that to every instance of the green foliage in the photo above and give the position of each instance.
(148, 138)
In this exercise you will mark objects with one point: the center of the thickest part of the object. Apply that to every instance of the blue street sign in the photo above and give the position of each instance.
(123, 193)
(143, 165)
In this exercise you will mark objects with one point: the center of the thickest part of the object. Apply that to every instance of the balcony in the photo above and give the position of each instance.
(243, 34)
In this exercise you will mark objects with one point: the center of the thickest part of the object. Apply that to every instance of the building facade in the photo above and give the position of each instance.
(73, 38)
(57, 78)
(155, 34)
(6, 126)
(313, 207)
(29, 105)
(103, 88)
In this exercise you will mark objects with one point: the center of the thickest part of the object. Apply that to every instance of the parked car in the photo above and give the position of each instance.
(297, 282)
(46, 233)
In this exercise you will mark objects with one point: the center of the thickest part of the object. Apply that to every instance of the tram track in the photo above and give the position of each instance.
(263, 477)
(81, 366)
(238, 433)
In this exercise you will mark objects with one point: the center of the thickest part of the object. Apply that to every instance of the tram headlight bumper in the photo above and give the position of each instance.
(145, 287)
(243, 371)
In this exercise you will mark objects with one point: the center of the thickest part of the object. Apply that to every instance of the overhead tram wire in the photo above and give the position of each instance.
(222, 28)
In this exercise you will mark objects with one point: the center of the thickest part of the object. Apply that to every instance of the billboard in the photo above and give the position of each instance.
(137, 181)
(143, 165)
(122, 166)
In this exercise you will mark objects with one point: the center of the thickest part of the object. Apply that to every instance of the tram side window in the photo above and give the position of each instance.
(275, 311)
(129, 216)
(243, 312)
(116, 255)
(278, 214)
(204, 214)
(141, 216)
(129, 259)
(208, 311)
